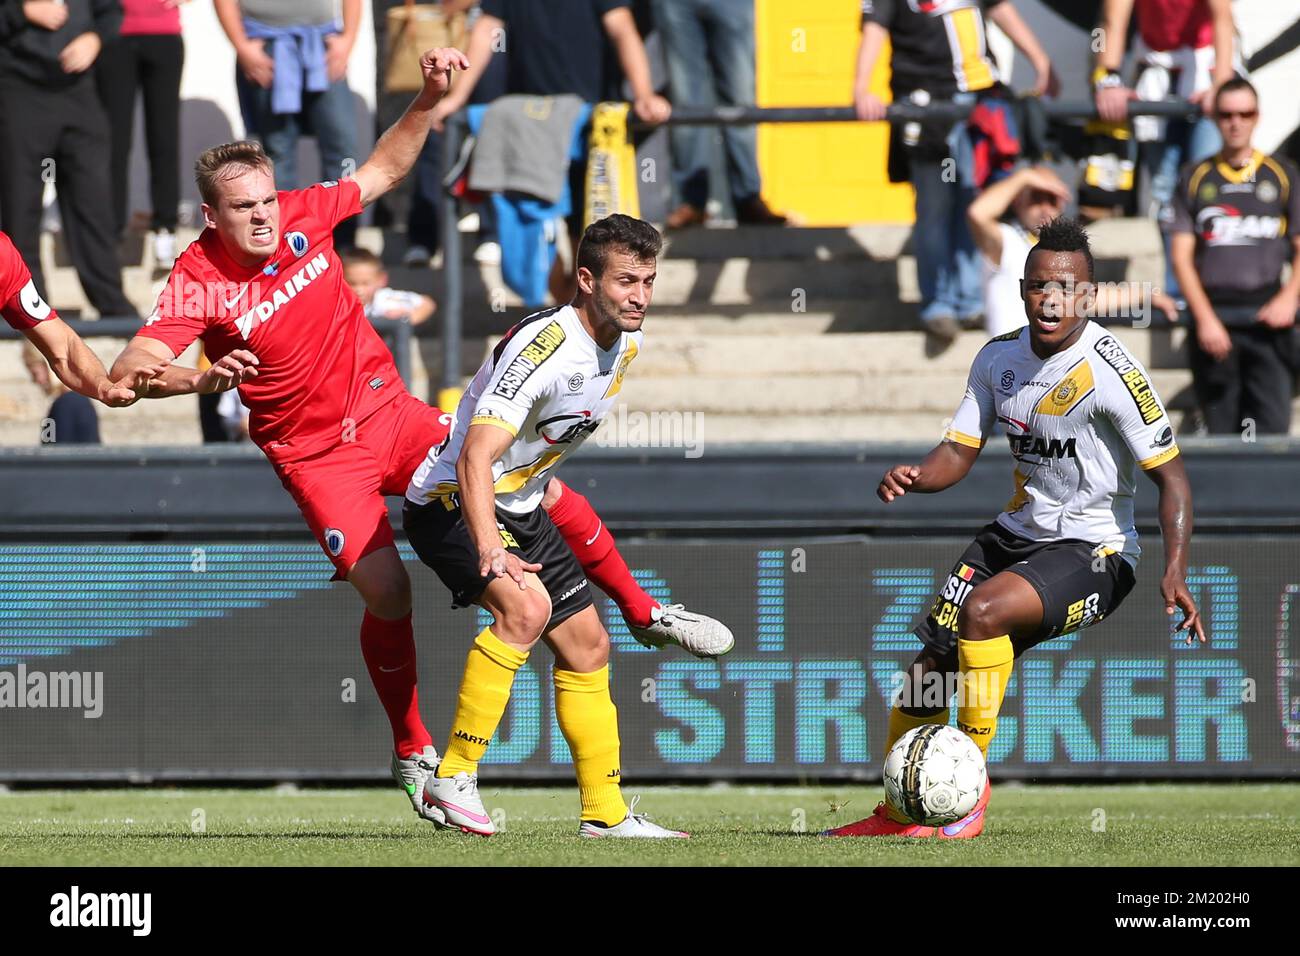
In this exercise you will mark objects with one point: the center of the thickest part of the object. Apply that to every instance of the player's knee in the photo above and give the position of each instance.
(387, 596)
(588, 650)
(980, 618)
(524, 618)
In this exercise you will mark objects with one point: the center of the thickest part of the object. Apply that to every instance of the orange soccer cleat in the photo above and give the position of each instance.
(969, 826)
(880, 824)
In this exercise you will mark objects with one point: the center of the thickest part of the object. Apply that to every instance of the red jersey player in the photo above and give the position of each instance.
(263, 288)
(70, 358)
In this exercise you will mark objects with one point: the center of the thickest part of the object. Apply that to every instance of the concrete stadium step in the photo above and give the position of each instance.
(769, 269)
(23, 406)
(830, 393)
(771, 353)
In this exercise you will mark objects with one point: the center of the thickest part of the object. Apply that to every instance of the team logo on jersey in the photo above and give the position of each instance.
(1139, 388)
(1224, 225)
(1062, 397)
(291, 286)
(564, 429)
(1164, 439)
(576, 381)
(1024, 443)
(1209, 192)
(530, 357)
(939, 8)
(334, 541)
(298, 243)
(616, 385)
(1266, 191)
(1008, 380)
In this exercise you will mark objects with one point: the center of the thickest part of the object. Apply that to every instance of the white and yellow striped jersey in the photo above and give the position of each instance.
(550, 385)
(1078, 423)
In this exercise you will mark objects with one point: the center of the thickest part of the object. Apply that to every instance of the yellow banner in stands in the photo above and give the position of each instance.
(824, 174)
(611, 168)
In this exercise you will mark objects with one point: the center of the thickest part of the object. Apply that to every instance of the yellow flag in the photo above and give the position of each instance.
(611, 166)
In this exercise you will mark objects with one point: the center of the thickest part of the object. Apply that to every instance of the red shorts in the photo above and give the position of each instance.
(341, 491)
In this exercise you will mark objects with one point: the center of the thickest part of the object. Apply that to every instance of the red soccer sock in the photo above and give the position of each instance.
(389, 650)
(589, 539)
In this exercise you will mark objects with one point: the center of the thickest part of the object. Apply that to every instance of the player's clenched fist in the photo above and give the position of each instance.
(437, 66)
(896, 482)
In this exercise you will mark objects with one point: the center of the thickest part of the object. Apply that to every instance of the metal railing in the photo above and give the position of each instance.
(452, 307)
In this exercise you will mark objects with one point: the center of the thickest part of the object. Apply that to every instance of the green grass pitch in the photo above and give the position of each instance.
(1136, 825)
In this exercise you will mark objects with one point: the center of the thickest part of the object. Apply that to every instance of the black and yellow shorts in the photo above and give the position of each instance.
(439, 536)
(1078, 584)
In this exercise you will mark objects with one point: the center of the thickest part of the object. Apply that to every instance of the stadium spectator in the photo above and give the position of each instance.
(292, 78)
(423, 213)
(53, 129)
(146, 58)
(709, 46)
(234, 416)
(1004, 221)
(927, 65)
(1236, 224)
(1183, 48)
(365, 274)
(71, 419)
(539, 43)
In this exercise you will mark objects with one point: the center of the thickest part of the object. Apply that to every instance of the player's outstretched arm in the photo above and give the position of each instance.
(947, 464)
(143, 352)
(81, 370)
(484, 444)
(1176, 529)
(399, 147)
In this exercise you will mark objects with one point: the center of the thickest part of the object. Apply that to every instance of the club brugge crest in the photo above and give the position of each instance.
(334, 541)
(297, 243)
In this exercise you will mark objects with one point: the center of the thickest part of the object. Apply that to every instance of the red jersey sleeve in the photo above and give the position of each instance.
(20, 303)
(332, 202)
(183, 309)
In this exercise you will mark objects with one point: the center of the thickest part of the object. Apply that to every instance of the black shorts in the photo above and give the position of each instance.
(438, 534)
(1078, 584)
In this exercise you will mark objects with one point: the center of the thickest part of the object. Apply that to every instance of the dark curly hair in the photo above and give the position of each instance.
(1064, 234)
(617, 232)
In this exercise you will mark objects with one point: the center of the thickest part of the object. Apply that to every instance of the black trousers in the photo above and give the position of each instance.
(150, 66)
(1254, 382)
(61, 134)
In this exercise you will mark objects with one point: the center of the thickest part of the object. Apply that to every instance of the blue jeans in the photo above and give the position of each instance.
(709, 45)
(329, 115)
(1163, 159)
(947, 262)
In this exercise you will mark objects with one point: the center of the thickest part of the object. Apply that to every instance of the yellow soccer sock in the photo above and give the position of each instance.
(985, 668)
(899, 724)
(589, 722)
(484, 692)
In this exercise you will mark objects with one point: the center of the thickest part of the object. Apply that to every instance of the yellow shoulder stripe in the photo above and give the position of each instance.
(1197, 176)
(1283, 179)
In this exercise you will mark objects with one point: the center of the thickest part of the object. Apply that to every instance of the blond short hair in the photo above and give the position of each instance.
(221, 162)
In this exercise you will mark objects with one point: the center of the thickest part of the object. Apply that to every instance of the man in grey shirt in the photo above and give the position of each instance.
(292, 60)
